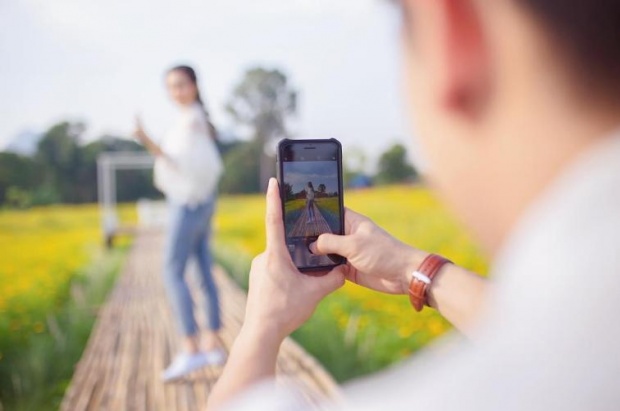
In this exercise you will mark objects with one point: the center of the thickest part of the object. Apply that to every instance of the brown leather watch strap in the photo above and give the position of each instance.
(421, 279)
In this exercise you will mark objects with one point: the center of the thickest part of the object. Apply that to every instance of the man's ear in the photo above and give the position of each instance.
(466, 80)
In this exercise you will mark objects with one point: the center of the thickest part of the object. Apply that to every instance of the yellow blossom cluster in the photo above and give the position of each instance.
(41, 250)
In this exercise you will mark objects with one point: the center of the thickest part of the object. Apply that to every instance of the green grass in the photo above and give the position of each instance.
(328, 204)
(330, 210)
(294, 209)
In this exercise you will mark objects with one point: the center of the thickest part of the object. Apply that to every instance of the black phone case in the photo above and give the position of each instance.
(338, 260)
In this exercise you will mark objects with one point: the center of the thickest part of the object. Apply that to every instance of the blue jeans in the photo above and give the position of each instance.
(189, 233)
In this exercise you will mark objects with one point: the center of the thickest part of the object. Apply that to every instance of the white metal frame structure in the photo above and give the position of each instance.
(107, 165)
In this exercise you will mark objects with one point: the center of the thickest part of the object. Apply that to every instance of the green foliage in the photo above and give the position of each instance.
(45, 194)
(262, 102)
(241, 169)
(17, 172)
(287, 189)
(18, 198)
(65, 170)
(59, 156)
(394, 167)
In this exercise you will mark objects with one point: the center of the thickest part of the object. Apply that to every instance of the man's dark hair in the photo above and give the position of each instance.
(588, 33)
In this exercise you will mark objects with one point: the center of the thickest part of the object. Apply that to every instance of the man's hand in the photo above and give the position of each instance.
(281, 297)
(376, 260)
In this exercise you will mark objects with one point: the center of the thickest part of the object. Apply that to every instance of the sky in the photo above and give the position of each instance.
(101, 61)
(297, 174)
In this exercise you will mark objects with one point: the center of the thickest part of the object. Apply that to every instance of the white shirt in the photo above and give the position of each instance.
(190, 172)
(551, 339)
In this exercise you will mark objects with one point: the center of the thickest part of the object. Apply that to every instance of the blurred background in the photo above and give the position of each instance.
(101, 62)
(73, 74)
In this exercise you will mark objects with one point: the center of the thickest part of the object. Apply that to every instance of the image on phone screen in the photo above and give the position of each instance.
(312, 203)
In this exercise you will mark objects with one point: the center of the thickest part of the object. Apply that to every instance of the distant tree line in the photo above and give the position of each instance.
(63, 169)
(321, 192)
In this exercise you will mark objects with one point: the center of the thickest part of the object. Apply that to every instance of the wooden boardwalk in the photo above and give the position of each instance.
(135, 337)
(309, 226)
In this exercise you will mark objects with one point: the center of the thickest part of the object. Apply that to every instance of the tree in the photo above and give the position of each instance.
(58, 154)
(394, 167)
(18, 174)
(288, 191)
(321, 188)
(65, 170)
(241, 167)
(262, 101)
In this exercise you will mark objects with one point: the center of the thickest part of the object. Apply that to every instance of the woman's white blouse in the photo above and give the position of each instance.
(189, 172)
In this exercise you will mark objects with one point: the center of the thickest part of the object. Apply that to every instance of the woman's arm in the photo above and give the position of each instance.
(145, 140)
(378, 261)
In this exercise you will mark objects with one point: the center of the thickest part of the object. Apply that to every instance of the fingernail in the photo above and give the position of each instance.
(312, 247)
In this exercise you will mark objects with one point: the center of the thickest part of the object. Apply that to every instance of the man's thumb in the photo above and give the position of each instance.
(331, 244)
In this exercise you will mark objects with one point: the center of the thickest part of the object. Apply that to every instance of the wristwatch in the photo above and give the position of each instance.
(422, 278)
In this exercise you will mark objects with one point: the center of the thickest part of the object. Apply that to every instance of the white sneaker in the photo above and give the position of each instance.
(217, 356)
(185, 363)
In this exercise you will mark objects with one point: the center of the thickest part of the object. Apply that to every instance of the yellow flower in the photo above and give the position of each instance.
(38, 327)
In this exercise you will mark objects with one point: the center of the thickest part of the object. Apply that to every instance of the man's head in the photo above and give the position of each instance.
(505, 94)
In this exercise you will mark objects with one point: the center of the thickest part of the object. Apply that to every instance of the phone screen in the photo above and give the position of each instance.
(310, 174)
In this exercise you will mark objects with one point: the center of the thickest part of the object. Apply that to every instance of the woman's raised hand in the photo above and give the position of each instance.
(376, 260)
(280, 297)
(144, 139)
(138, 132)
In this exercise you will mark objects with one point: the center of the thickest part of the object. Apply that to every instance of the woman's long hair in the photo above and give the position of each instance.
(191, 75)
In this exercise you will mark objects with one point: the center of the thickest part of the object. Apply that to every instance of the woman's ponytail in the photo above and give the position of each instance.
(191, 75)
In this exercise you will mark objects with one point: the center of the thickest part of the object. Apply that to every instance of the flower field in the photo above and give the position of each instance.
(356, 331)
(43, 251)
(353, 332)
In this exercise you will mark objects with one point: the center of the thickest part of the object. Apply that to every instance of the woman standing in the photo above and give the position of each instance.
(187, 170)
(310, 202)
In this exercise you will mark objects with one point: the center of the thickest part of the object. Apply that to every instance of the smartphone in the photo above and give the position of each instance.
(310, 177)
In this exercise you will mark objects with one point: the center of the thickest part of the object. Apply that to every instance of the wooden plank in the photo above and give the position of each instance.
(135, 337)
(308, 225)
